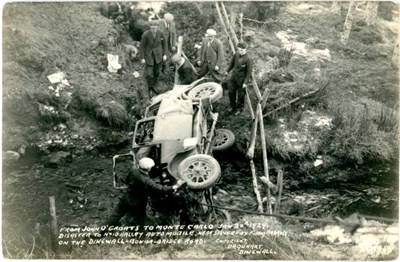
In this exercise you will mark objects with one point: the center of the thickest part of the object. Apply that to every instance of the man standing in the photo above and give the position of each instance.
(186, 71)
(153, 48)
(140, 187)
(167, 26)
(242, 66)
(211, 56)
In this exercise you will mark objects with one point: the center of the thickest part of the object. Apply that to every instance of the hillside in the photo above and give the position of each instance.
(59, 138)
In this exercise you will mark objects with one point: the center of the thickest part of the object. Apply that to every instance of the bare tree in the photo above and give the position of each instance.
(395, 57)
(344, 36)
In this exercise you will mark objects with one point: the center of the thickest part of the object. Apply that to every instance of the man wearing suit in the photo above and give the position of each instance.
(242, 66)
(211, 56)
(186, 71)
(167, 26)
(153, 48)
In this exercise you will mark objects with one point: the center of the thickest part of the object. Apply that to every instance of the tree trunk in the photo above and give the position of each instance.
(395, 57)
(344, 36)
(371, 12)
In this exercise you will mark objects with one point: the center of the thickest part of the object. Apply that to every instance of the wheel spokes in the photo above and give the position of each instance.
(198, 172)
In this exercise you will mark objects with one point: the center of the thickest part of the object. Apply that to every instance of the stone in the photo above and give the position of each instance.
(58, 158)
(10, 156)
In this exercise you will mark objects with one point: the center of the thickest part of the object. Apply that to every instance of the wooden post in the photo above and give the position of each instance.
(234, 37)
(292, 101)
(54, 228)
(179, 52)
(248, 102)
(241, 26)
(224, 26)
(252, 145)
(279, 184)
(250, 151)
(255, 186)
(255, 87)
(265, 157)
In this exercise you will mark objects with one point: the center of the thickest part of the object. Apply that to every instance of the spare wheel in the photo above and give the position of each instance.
(199, 171)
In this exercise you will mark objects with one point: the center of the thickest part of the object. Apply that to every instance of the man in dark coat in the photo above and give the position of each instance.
(153, 48)
(140, 187)
(242, 66)
(211, 56)
(186, 71)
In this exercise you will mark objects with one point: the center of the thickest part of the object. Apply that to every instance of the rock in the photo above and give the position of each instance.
(10, 157)
(58, 158)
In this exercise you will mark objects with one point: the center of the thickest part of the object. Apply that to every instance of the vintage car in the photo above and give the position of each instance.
(178, 132)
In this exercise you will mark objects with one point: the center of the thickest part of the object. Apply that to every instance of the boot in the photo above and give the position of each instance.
(155, 84)
(150, 85)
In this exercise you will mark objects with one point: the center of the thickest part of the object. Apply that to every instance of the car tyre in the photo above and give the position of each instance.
(199, 171)
(206, 90)
(223, 140)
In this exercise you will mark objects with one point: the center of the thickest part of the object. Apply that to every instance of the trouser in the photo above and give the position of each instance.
(152, 74)
(207, 67)
(236, 93)
(135, 216)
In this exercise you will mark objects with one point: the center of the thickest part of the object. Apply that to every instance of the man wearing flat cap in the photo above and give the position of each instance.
(241, 65)
(211, 56)
(167, 26)
(153, 49)
(140, 186)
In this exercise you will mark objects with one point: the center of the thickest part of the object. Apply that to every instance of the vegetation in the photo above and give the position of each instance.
(351, 124)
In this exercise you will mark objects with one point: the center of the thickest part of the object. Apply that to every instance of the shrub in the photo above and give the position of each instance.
(262, 10)
(363, 132)
(112, 113)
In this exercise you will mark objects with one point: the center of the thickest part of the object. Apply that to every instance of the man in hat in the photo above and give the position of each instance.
(186, 71)
(167, 26)
(140, 187)
(211, 56)
(242, 66)
(153, 49)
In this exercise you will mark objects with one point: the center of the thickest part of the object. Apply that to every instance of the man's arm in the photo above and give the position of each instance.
(143, 43)
(173, 34)
(155, 188)
(249, 69)
(220, 53)
(200, 59)
(164, 43)
(231, 64)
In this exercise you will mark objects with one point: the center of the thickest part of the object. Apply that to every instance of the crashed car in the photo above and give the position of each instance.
(178, 133)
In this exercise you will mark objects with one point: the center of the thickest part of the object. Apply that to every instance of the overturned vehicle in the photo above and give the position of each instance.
(178, 132)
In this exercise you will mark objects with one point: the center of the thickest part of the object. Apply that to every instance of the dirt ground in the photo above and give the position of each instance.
(40, 39)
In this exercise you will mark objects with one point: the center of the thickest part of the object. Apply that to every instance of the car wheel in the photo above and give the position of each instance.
(205, 90)
(199, 171)
(223, 139)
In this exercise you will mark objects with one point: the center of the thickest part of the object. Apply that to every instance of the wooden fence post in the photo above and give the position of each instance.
(54, 228)
(279, 184)
(224, 26)
(234, 37)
